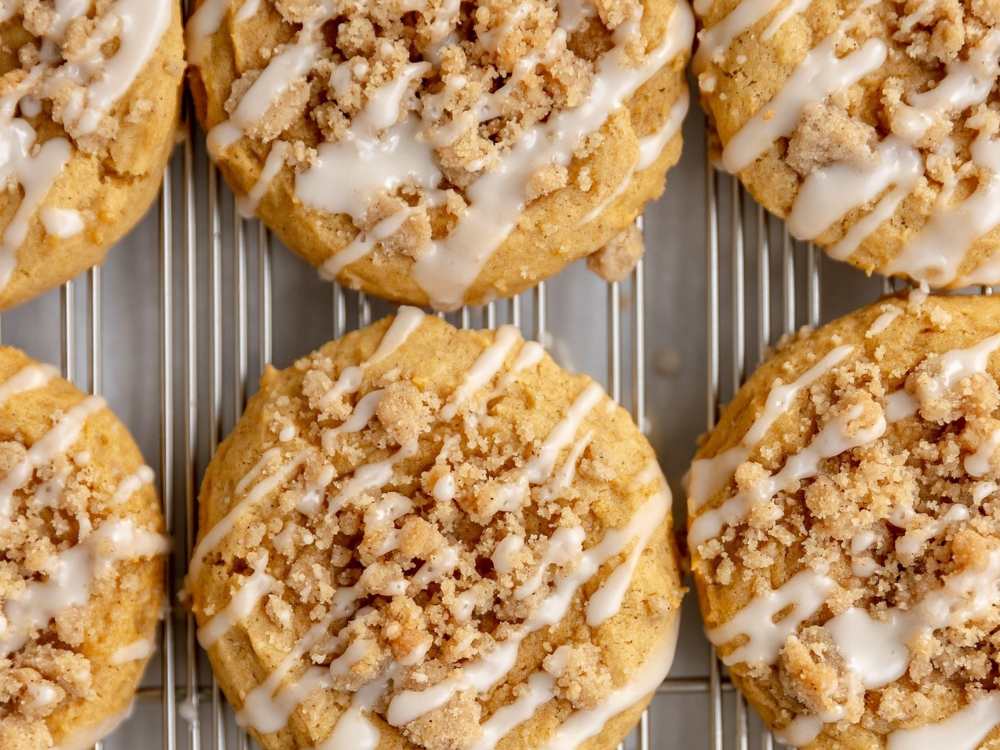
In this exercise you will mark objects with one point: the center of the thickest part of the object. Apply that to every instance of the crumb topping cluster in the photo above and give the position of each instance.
(57, 509)
(447, 558)
(925, 40)
(891, 522)
(52, 66)
(472, 77)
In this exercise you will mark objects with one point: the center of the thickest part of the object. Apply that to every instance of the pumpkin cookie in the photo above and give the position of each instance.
(420, 537)
(437, 152)
(872, 127)
(81, 566)
(845, 530)
(89, 97)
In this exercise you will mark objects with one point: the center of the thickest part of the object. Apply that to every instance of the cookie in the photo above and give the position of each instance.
(844, 528)
(89, 99)
(421, 537)
(442, 153)
(81, 562)
(870, 127)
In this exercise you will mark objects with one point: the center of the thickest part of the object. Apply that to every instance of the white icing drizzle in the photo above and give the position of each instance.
(564, 476)
(650, 148)
(714, 41)
(819, 74)
(483, 370)
(70, 576)
(242, 603)
(564, 546)
(444, 488)
(352, 729)
(61, 222)
(790, 9)
(982, 490)
(267, 707)
(484, 672)
(959, 364)
(909, 545)
(883, 321)
(203, 24)
(52, 444)
(830, 192)
(539, 689)
(539, 468)
(831, 441)
(222, 529)
(800, 731)
(709, 475)
(607, 600)
(802, 595)
(407, 320)
(248, 204)
(506, 552)
(381, 516)
(131, 484)
(383, 148)
(135, 651)
(360, 417)
(28, 378)
(581, 725)
(963, 730)
(247, 10)
(877, 649)
(497, 199)
(138, 26)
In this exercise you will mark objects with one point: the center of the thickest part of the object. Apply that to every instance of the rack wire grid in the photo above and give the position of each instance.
(220, 281)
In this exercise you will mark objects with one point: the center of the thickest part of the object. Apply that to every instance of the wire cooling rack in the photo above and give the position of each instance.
(177, 326)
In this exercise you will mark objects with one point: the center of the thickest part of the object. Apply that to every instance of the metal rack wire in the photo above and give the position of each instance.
(215, 298)
(217, 332)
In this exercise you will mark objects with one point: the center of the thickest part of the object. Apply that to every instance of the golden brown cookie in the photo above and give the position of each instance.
(844, 527)
(871, 127)
(438, 152)
(81, 566)
(420, 537)
(89, 98)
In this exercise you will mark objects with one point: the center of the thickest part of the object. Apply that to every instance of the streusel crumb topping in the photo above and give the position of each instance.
(443, 557)
(901, 519)
(476, 79)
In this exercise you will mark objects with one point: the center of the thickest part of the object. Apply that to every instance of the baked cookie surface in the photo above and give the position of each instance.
(81, 562)
(420, 537)
(437, 152)
(844, 528)
(89, 99)
(871, 127)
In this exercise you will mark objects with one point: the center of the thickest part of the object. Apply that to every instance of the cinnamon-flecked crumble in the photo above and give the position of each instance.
(890, 522)
(445, 559)
(42, 669)
(473, 80)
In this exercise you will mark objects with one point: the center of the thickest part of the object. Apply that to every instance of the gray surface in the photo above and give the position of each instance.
(677, 392)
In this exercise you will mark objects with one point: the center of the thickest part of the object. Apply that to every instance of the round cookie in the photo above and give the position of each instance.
(844, 533)
(81, 562)
(870, 127)
(442, 153)
(88, 119)
(421, 537)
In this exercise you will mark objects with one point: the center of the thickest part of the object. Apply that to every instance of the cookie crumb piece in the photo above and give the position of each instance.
(615, 261)
(453, 726)
(581, 677)
(828, 134)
